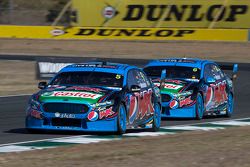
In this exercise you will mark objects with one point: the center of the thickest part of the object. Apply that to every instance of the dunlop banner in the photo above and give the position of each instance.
(161, 13)
(95, 33)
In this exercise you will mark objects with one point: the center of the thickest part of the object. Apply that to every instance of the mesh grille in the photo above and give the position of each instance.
(66, 122)
(65, 108)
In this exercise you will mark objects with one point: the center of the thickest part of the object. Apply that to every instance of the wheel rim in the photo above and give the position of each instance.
(122, 118)
(157, 115)
(230, 104)
(199, 106)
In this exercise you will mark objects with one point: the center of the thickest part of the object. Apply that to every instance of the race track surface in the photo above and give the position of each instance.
(12, 114)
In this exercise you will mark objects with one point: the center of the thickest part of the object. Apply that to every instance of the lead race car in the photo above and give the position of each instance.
(95, 96)
(192, 88)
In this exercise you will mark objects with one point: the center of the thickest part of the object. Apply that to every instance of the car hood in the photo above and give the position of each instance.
(175, 86)
(79, 94)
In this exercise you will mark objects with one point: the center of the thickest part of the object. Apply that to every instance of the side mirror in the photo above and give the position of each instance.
(135, 88)
(42, 85)
(235, 70)
(163, 77)
(163, 74)
(210, 80)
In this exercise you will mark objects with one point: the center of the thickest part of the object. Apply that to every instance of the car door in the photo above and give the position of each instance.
(146, 109)
(139, 103)
(215, 92)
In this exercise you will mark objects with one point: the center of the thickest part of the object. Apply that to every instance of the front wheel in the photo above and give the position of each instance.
(157, 118)
(199, 107)
(230, 105)
(121, 120)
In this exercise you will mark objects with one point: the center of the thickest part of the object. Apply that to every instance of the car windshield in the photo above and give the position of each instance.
(88, 78)
(173, 72)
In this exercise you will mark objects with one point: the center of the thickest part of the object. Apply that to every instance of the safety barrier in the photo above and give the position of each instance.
(95, 33)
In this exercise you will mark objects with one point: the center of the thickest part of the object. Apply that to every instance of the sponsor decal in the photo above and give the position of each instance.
(106, 103)
(173, 104)
(100, 33)
(140, 105)
(177, 60)
(138, 32)
(57, 32)
(57, 114)
(186, 101)
(94, 65)
(174, 81)
(118, 76)
(106, 113)
(97, 90)
(92, 116)
(172, 86)
(64, 115)
(36, 114)
(162, 13)
(74, 94)
(109, 12)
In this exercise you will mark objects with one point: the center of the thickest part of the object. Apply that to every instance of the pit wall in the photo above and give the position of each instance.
(100, 33)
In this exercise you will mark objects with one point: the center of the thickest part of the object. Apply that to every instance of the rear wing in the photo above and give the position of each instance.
(232, 67)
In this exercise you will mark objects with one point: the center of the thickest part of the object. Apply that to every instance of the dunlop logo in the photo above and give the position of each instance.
(184, 12)
(134, 32)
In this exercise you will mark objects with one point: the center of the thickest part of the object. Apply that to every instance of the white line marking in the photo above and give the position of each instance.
(165, 127)
(235, 123)
(82, 140)
(193, 128)
(13, 148)
(146, 134)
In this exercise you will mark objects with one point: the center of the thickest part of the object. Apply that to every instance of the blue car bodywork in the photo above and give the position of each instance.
(95, 96)
(192, 88)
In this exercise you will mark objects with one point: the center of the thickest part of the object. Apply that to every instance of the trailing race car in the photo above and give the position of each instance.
(192, 88)
(96, 96)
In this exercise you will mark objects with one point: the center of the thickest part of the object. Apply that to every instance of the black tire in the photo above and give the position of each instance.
(155, 127)
(230, 106)
(199, 103)
(121, 128)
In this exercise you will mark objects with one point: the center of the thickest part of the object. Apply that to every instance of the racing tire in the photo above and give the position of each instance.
(121, 120)
(230, 106)
(156, 118)
(199, 107)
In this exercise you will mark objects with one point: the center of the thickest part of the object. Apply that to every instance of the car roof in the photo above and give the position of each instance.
(108, 67)
(187, 62)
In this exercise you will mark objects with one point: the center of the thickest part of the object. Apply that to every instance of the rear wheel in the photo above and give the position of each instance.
(199, 107)
(157, 118)
(230, 105)
(121, 120)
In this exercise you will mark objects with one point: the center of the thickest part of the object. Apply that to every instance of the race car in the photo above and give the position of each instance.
(95, 97)
(192, 88)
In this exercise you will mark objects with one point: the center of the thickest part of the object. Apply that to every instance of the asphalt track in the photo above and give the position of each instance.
(12, 114)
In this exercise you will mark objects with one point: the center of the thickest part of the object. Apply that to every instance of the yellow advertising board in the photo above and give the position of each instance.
(162, 13)
(95, 33)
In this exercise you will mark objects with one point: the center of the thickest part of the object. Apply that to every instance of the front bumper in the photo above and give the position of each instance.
(80, 122)
(186, 112)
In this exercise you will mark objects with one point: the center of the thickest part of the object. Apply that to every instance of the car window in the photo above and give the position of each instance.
(141, 79)
(216, 72)
(131, 79)
(88, 78)
(208, 71)
(145, 78)
(221, 73)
